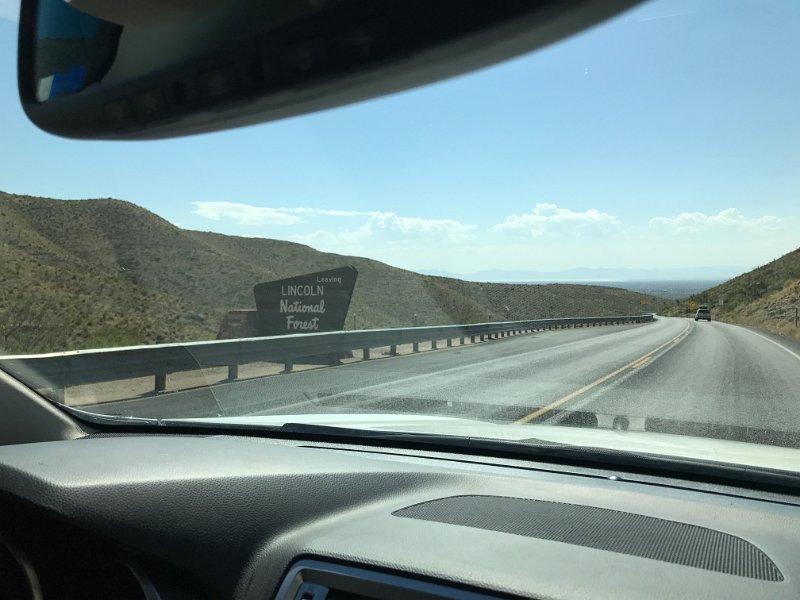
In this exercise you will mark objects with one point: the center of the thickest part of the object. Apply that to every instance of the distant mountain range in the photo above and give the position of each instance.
(716, 273)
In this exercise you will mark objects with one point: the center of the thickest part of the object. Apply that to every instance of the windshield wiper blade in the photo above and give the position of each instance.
(104, 419)
(705, 471)
(547, 452)
(382, 434)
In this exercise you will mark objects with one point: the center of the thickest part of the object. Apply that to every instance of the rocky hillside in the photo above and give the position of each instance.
(765, 297)
(96, 273)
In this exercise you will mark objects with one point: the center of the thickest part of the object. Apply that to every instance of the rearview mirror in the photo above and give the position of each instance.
(118, 69)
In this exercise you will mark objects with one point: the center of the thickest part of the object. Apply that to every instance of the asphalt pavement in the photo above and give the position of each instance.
(671, 370)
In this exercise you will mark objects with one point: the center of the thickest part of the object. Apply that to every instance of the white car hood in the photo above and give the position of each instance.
(637, 442)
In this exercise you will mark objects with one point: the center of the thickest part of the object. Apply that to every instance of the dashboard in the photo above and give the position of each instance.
(242, 516)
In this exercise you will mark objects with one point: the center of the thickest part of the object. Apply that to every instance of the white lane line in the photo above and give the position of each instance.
(596, 340)
(765, 338)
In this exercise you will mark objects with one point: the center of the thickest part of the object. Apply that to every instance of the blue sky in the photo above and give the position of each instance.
(669, 137)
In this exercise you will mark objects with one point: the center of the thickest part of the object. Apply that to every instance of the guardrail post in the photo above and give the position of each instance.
(472, 339)
(366, 353)
(288, 365)
(161, 382)
(461, 340)
(393, 350)
(415, 347)
(481, 337)
(449, 342)
(233, 372)
(434, 345)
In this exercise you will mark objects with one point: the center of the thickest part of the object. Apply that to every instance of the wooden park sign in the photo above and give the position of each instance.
(305, 304)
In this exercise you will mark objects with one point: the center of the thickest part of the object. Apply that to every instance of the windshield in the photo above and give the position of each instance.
(595, 244)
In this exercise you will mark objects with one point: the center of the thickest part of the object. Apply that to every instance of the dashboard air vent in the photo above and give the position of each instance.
(317, 580)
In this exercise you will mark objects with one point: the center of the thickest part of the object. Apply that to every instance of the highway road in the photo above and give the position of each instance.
(673, 372)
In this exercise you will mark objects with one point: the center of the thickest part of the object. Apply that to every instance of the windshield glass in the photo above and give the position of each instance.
(594, 244)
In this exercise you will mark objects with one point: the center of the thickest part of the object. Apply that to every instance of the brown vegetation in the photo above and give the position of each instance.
(99, 273)
(766, 297)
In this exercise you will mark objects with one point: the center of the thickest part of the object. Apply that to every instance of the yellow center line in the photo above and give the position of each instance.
(631, 365)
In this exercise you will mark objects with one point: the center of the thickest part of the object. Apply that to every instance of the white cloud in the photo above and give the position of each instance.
(417, 226)
(385, 225)
(383, 229)
(728, 219)
(323, 212)
(549, 218)
(245, 214)
(9, 10)
(392, 228)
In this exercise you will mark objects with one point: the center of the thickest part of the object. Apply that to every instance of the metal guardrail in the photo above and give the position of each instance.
(55, 372)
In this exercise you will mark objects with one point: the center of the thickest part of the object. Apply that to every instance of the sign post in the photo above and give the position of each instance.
(309, 303)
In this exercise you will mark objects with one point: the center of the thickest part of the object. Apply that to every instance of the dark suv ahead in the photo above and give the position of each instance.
(703, 313)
